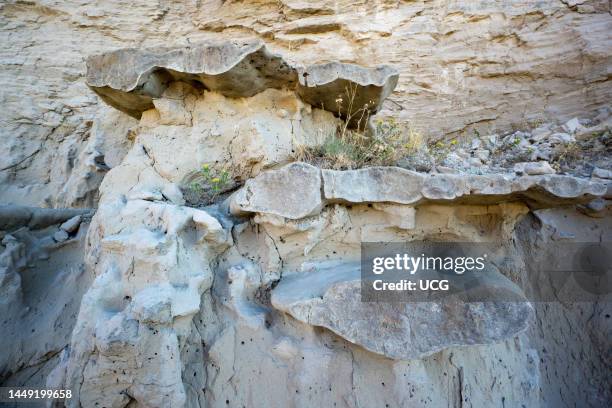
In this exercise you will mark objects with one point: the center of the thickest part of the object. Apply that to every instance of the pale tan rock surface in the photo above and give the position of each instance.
(129, 79)
(396, 185)
(162, 302)
(331, 297)
(462, 65)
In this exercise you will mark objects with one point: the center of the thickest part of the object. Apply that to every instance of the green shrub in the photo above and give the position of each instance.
(209, 183)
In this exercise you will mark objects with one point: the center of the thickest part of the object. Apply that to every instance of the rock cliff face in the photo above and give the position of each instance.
(148, 295)
(490, 66)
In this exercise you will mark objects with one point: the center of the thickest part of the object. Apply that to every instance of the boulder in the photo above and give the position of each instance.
(331, 297)
(72, 224)
(293, 192)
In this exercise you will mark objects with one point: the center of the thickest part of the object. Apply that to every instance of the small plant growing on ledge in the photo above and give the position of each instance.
(209, 184)
(350, 149)
(377, 143)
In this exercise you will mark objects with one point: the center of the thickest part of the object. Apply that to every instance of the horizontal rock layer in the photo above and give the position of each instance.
(13, 216)
(396, 185)
(129, 79)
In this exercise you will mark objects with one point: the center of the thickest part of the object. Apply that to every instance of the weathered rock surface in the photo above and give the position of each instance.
(376, 185)
(346, 88)
(406, 187)
(41, 285)
(396, 185)
(179, 313)
(292, 192)
(130, 79)
(13, 216)
(153, 263)
(331, 297)
(560, 69)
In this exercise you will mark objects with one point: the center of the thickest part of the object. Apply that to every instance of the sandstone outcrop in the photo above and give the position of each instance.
(42, 281)
(250, 296)
(152, 268)
(558, 53)
(129, 79)
(292, 192)
(331, 297)
(12, 216)
(400, 186)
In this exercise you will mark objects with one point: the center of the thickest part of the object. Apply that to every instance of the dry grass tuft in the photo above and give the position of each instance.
(382, 143)
(343, 148)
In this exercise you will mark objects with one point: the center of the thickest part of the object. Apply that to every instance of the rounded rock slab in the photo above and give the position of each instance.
(293, 192)
(129, 79)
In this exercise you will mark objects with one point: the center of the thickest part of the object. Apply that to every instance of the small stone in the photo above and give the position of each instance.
(475, 144)
(543, 153)
(475, 162)
(516, 139)
(541, 133)
(597, 205)
(482, 154)
(72, 224)
(602, 173)
(562, 138)
(453, 160)
(533, 168)
(572, 125)
(60, 236)
(492, 140)
(446, 170)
